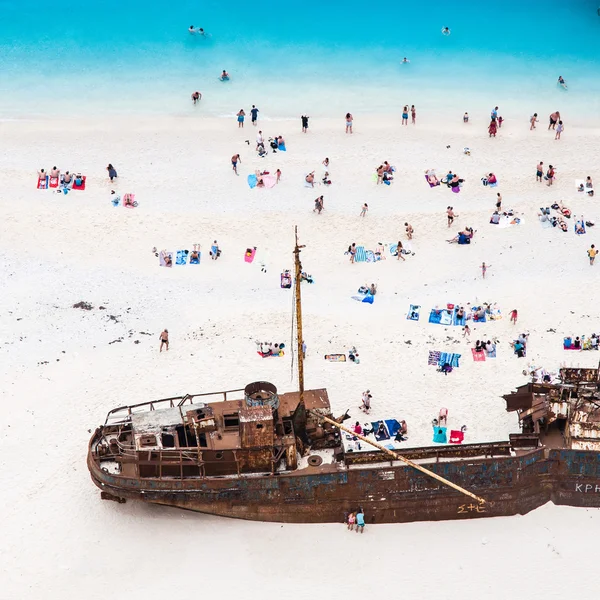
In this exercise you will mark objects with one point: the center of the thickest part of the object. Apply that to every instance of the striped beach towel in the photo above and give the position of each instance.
(434, 357)
(450, 358)
(361, 255)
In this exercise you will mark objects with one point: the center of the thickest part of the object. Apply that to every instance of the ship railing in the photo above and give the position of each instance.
(122, 414)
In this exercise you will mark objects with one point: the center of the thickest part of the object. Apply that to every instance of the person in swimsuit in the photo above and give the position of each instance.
(399, 249)
(352, 252)
(532, 121)
(304, 120)
(405, 115)
(360, 520)
(484, 269)
(254, 113)
(446, 31)
(164, 339)
(499, 202)
(348, 122)
(451, 215)
(554, 118)
(409, 230)
(240, 118)
(466, 118)
(54, 172)
(192, 29)
(319, 202)
(235, 159)
(310, 178)
(413, 114)
(351, 518)
(559, 129)
(224, 76)
(405, 60)
(539, 171)
(550, 175)
(365, 208)
(562, 82)
(326, 163)
(67, 178)
(196, 96)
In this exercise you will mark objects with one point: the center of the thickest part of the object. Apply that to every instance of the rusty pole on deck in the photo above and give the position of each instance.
(298, 299)
(410, 463)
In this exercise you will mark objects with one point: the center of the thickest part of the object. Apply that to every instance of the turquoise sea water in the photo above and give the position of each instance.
(324, 58)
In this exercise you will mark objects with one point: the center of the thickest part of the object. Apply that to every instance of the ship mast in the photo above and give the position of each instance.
(298, 300)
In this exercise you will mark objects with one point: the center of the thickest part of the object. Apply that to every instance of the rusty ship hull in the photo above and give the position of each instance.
(388, 493)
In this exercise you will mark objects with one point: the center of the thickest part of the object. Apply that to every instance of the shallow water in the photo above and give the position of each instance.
(293, 57)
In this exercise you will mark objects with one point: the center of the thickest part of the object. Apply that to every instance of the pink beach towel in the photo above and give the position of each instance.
(249, 255)
(129, 201)
(478, 356)
(269, 180)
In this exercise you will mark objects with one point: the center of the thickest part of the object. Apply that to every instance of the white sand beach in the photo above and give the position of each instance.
(64, 368)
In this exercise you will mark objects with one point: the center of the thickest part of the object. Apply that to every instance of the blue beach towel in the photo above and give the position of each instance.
(196, 261)
(440, 317)
(492, 354)
(181, 257)
(281, 147)
(414, 312)
(393, 426)
(370, 256)
(579, 224)
(459, 322)
(361, 255)
(449, 358)
(252, 180)
(439, 435)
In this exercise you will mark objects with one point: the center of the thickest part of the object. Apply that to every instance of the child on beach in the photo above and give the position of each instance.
(351, 521)
(592, 252)
(235, 159)
(413, 114)
(405, 115)
(409, 230)
(349, 122)
(484, 269)
(532, 121)
(466, 117)
(360, 521)
(365, 208)
(514, 316)
(559, 129)
(399, 251)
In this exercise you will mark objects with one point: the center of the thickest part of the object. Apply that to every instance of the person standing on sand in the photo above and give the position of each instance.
(254, 114)
(592, 252)
(409, 230)
(532, 121)
(499, 202)
(514, 316)
(277, 175)
(492, 128)
(539, 173)
(196, 96)
(112, 172)
(451, 215)
(413, 114)
(260, 141)
(467, 332)
(494, 113)
(559, 130)
(235, 159)
(550, 175)
(466, 117)
(360, 520)
(365, 208)
(240, 118)
(164, 340)
(554, 119)
(399, 251)
(405, 115)
(349, 120)
(484, 269)
(304, 120)
(352, 251)
(319, 205)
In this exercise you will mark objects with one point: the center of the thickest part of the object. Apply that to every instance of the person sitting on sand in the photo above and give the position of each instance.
(373, 289)
(166, 258)
(259, 178)
(448, 178)
(194, 255)
(381, 430)
(588, 182)
(491, 178)
(460, 313)
(495, 219)
(326, 163)
(478, 346)
(280, 141)
(380, 251)
(387, 168)
(67, 178)
(128, 200)
(54, 172)
(310, 179)
(326, 180)
(42, 174)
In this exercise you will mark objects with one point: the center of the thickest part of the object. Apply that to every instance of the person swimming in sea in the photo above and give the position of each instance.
(446, 31)
(405, 60)
(562, 82)
(224, 76)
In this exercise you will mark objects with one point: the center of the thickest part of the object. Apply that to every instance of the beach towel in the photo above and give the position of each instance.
(414, 312)
(181, 257)
(53, 182)
(459, 321)
(286, 280)
(281, 147)
(478, 356)
(370, 256)
(568, 344)
(269, 181)
(508, 221)
(456, 437)
(367, 299)
(252, 180)
(434, 357)
(384, 435)
(392, 426)
(335, 357)
(455, 189)
(361, 255)
(129, 201)
(195, 261)
(491, 353)
(161, 259)
(439, 435)
(115, 200)
(546, 224)
(250, 254)
(432, 185)
(276, 355)
(495, 314)
(440, 316)
(42, 183)
(579, 227)
(586, 190)
(473, 316)
(449, 358)
(81, 186)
